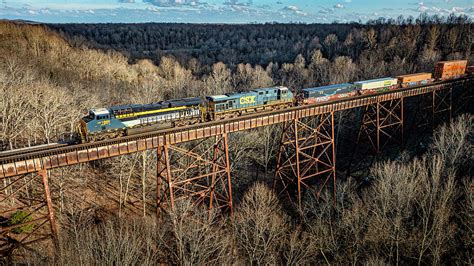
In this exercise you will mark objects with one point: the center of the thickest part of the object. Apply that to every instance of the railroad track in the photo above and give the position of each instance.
(37, 152)
(26, 150)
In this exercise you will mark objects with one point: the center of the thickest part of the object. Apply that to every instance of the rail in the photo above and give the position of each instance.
(35, 160)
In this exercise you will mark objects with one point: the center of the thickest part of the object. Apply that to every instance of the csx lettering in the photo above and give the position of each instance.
(247, 100)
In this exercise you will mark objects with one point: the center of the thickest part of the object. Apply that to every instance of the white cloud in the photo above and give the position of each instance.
(291, 8)
(294, 10)
(457, 9)
(423, 8)
(326, 11)
(45, 11)
(214, 11)
(428, 7)
(153, 9)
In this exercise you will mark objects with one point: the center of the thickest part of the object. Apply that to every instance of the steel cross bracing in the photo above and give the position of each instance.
(201, 173)
(34, 211)
(382, 123)
(307, 152)
(441, 106)
(29, 162)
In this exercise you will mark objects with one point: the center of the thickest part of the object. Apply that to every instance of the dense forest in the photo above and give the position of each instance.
(264, 44)
(209, 44)
(416, 209)
(90, 77)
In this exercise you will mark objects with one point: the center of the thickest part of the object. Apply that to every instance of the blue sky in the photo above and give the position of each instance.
(225, 11)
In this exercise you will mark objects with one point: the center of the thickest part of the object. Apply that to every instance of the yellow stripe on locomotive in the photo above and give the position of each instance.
(136, 114)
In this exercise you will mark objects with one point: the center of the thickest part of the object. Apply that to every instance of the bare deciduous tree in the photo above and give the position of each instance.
(260, 226)
(198, 236)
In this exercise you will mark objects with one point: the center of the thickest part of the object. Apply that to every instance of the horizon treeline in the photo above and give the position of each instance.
(275, 43)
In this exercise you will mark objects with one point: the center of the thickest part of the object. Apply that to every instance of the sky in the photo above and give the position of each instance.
(225, 11)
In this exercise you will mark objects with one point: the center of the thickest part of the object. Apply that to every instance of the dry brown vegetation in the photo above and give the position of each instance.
(412, 211)
(67, 80)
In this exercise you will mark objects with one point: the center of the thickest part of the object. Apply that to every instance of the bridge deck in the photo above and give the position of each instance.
(33, 161)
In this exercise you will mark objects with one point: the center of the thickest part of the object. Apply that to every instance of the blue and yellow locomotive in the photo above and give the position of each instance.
(124, 120)
(116, 121)
(235, 104)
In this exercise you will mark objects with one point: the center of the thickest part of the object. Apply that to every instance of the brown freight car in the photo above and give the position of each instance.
(414, 79)
(450, 69)
(470, 70)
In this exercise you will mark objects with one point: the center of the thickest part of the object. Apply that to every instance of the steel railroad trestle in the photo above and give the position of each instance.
(307, 155)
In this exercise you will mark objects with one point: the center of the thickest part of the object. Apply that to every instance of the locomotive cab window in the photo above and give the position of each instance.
(89, 117)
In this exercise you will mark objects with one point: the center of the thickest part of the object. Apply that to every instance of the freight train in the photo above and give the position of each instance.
(117, 121)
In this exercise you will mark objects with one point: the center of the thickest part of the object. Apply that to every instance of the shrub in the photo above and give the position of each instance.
(20, 217)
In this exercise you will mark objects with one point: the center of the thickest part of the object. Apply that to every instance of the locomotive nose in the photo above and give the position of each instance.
(82, 130)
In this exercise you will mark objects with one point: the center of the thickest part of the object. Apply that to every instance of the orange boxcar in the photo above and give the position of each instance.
(414, 79)
(450, 69)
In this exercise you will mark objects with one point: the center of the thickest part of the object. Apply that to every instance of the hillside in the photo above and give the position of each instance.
(413, 208)
(405, 38)
(34, 55)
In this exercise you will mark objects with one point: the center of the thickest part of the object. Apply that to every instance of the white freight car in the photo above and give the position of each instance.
(376, 84)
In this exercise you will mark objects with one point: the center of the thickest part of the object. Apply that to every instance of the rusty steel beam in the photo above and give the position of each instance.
(51, 216)
(33, 161)
(382, 122)
(201, 174)
(441, 108)
(37, 212)
(306, 157)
